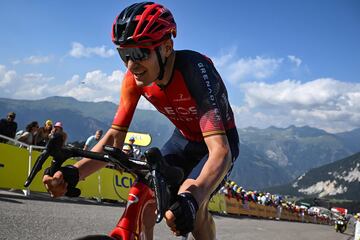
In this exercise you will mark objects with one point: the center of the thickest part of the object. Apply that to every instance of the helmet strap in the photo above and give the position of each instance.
(161, 63)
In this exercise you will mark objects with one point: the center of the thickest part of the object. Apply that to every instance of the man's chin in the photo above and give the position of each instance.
(142, 83)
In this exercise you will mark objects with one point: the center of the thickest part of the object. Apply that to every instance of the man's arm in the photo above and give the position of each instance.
(214, 170)
(23, 138)
(56, 184)
(86, 145)
(88, 166)
(115, 136)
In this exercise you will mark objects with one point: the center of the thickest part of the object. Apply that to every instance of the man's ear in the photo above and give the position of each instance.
(168, 47)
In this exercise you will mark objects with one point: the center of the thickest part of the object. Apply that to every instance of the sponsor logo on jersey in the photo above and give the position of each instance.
(181, 98)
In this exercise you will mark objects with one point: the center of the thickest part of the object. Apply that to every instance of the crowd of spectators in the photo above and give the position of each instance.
(32, 134)
(232, 190)
(39, 136)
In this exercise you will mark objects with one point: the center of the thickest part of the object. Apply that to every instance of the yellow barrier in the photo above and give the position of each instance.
(232, 205)
(217, 203)
(15, 170)
(271, 212)
(110, 184)
(106, 183)
(238, 207)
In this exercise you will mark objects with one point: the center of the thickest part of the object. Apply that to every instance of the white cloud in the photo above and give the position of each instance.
(31, 85)
(78, 51)
(6, 76)
(297, 61)
(36, 78)
(33, 60)
(323, 103)
(246, 69)
(94, 86)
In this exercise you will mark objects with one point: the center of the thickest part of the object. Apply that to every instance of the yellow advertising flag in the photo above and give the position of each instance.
(141, 139)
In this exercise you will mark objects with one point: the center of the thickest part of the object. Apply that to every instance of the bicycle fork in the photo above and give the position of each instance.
(130, 225)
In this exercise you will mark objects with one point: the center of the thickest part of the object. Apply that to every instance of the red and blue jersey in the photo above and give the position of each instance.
(195, 99)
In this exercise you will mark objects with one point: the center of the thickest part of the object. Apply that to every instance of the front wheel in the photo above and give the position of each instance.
(96, 237)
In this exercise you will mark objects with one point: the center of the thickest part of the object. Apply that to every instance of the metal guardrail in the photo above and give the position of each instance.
(30, 148)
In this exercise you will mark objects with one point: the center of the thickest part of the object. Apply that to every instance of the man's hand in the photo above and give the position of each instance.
(182, 214)
(56, 184)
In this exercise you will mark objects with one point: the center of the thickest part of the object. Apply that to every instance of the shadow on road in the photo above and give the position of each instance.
(6, 199)
(9, 196)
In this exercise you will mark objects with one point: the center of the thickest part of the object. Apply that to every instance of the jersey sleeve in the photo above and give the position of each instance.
(129, 97)
(208, 90)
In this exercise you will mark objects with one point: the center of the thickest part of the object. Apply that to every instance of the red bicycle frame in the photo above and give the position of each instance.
(130, 225)
(141, 198)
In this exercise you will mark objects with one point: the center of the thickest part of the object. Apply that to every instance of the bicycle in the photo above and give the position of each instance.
(153, 177)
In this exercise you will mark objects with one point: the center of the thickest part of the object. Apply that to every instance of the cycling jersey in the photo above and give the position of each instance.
(195, 99)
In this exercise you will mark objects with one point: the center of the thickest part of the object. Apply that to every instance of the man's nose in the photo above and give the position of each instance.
(132, 65)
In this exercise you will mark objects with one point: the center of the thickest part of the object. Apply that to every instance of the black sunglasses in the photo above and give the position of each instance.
(134, 54)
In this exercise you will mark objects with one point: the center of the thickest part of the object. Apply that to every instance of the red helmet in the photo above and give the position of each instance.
(143, 23)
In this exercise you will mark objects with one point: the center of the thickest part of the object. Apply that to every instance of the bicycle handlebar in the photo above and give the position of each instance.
(160, 172)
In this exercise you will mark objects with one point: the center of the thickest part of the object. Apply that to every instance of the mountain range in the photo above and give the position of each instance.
(268, 157)
(338, 180)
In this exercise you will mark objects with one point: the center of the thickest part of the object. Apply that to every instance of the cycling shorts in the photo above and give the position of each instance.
(191, 156)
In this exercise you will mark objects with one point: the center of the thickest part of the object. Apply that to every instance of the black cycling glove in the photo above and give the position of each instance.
(71, 177)
(184, 210)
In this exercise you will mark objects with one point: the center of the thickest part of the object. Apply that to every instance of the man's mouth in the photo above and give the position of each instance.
(138, 74)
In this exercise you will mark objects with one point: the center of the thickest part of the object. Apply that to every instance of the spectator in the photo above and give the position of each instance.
(58, 128)
(27, 136)
(43, 134)
(128, 150)
(136, 152)
(93, 140)
(8, 126)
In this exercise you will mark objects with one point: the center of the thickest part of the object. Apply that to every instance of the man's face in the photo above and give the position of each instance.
(146, 71)
(35, 128)
(98, 135)
(11, 118)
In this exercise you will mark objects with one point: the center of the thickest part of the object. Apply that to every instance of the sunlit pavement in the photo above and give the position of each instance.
(40, 217)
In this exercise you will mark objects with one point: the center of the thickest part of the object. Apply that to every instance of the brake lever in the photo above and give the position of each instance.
(162, 195)
(53, 148)
(37, 167)
(160, 187)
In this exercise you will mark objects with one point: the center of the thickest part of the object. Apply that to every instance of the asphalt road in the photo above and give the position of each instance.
(40, 217)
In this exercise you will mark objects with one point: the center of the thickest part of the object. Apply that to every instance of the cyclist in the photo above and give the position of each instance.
(184, 86)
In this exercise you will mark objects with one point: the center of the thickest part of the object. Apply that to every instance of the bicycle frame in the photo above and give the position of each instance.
(149, 189)
(130, 225)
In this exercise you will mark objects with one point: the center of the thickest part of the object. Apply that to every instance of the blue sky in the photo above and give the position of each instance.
(284, 62)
